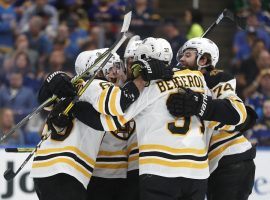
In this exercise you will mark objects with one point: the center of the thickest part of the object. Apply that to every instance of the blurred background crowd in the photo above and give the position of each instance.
(41, 36)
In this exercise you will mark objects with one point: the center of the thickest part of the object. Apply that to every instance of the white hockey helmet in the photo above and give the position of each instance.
(202, 46)
(157, 48)
(132, 46)
(114, 61)
(87, 58)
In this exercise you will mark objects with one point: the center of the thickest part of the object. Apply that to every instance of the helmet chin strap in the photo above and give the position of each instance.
(200, 66)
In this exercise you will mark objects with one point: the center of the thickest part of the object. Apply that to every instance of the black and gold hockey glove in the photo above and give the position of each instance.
(151, 69)
(186, 103)
(57, 83)
(58, 123)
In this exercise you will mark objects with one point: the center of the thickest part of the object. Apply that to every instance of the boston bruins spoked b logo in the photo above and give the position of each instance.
(126, 131)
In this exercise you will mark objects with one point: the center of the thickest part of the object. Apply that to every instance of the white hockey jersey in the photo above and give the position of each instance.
(112, 157)
(76, 155)
(168, 146)
(133, 152)
(118, 153)
(221, 142)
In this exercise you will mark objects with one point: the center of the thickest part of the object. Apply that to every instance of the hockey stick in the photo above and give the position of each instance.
(85, 73)
(18, 150)
(240, 22)
(9, 174)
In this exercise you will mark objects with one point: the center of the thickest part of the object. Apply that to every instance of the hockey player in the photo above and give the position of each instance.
(118, 150)
(172, 151)
(68, 165)
(132, 142)
(230, 154)
(110, 172)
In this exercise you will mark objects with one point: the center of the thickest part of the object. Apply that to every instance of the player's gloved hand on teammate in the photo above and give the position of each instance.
(59, 123)
(151, 69)
(186, 103)
(57, 83)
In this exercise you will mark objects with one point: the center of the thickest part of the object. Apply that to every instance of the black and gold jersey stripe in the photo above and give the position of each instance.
(69, 155)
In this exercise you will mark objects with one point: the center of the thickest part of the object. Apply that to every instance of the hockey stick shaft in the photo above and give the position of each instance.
(124, 29)
(121, 41)
(27, 118)
(9, 174)
(240, 22)
(18, 150)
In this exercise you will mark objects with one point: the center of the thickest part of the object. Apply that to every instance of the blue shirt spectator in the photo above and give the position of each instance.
(243, 41)
(257, 100)
(103, 12)
(6, 124)
(37, 40)
(43, 9)
(7, 26)
(17, 97)
(261, 132)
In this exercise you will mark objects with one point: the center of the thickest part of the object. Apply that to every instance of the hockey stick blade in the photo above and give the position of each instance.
(239, 21)
(126, 23)
(125, 27)
(9, 174)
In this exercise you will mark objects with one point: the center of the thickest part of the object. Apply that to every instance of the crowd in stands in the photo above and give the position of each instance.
(41, 36)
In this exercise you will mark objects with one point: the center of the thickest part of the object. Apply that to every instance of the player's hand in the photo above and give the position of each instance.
(60, 84)
(186, 103)
(151, 69)
(58, 122)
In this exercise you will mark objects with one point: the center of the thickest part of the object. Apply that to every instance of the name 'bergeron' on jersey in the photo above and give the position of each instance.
(187, 81)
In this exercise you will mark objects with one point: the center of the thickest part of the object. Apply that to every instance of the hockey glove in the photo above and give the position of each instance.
(151, 69)
(58, 123)
(186, 103)
(59, 84)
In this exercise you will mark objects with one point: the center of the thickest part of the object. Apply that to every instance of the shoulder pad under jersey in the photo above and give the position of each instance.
(215, 77)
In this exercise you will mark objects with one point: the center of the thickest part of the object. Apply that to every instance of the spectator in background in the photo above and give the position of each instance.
(175, 38)
(263, 16)
(22, 64)
(261, 131)
(70, 37)
(22, 44)
(76, 7)
(244, 39)
(144, 19)
(76, 35)
(194, 18)
(257, 99)
(6, 124)
(37, 40)
(59, 62)
(42, 9)
(142, 13)
(102, 11)
(7, 26)
(17, 97)
(5, 71)
(247, 72)
(253, 77)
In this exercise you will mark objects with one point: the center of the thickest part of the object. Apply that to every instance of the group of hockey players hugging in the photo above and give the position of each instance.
(146, 130)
